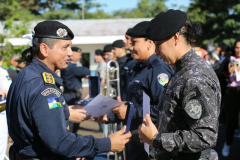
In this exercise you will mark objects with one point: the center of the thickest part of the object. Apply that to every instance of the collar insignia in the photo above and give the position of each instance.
(61, 32)
(48, 78)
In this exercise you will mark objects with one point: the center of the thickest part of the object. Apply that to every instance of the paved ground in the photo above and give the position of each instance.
(90, 127)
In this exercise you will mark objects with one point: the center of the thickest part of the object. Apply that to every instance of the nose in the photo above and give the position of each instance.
(69, 52)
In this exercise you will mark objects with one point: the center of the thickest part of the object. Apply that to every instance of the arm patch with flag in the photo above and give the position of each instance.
(54, 102)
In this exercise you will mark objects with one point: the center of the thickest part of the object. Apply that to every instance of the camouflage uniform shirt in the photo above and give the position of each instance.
(189, 109)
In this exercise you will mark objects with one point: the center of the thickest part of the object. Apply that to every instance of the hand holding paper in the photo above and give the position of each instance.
(101, 105)
(146, 132)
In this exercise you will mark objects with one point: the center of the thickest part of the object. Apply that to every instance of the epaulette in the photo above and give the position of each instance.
(48, 78)
(155, 62)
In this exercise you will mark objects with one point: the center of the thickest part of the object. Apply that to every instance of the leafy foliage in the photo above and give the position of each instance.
(220, 19)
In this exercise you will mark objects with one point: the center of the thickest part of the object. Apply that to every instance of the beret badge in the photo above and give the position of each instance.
(61, 32)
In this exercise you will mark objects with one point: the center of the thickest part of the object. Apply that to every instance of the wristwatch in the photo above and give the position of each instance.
(156, 142)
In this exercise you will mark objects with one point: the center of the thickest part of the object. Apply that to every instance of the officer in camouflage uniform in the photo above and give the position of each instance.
(189, 108)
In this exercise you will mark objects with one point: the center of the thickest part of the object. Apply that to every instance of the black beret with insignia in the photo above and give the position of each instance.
(52, 29)
(166, 24)
(118, 43)
(127, 33)
(107, 48)
(139, 30)
(99, 52)
(76, 49)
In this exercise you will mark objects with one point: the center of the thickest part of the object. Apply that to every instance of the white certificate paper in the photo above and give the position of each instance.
(101, 105)
(146, 110)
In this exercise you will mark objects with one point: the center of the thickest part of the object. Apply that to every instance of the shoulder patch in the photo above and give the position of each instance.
(54, 102)
(48, 78)
(163, 79)
(193, 108)
(48, 91)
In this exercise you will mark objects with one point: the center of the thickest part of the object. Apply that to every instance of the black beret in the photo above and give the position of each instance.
(76, 49)
(52, 29)
(166, 24)
(118, 43)
(139, 30)
(107, 48)
(129, 29)
(99, 52)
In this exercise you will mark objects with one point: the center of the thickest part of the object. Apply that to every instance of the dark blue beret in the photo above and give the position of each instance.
(107, 48)
(76, 49)
(118, 43)
(139, 30)
(52, 29)
(166, 24)
(127, 33)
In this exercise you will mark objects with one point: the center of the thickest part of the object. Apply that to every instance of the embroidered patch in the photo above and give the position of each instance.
(61, 32)
(162, 79)
(8, 78)
(194, 108)
(48, 91)
(68, 128)
(48, 78)
(54, 102)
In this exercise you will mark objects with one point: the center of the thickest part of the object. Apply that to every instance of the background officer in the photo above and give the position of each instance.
(143, 79)
(37, 113)
(102, 66)
(72, 81)
(5, 82)
(189, 107)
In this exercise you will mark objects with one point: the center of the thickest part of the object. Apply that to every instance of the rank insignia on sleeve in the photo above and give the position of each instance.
(54, 102)
(48, 78)
(193, 108)
(48, 91)
(162, 79)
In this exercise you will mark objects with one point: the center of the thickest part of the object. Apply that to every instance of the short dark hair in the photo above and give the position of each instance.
(36, 44)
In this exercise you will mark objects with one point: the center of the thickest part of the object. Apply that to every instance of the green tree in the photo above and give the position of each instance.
(220, 19)
(145, 9)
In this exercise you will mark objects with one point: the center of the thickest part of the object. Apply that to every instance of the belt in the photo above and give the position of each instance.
(16, 156)
(233, 88)
(181, 155)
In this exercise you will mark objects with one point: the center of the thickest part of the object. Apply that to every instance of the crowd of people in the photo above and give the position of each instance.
(185, 102)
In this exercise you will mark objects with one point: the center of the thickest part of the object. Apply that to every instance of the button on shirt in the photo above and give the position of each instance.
(38, 117)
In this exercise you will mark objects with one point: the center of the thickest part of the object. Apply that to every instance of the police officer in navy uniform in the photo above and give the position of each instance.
(189, 107)
(37, 114)
(72, 81)
(128, 66)
(150, 74)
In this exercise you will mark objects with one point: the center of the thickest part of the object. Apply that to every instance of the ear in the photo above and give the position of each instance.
(44, 49)
(176, 38)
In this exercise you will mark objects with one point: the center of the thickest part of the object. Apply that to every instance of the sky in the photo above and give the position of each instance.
(113, 5)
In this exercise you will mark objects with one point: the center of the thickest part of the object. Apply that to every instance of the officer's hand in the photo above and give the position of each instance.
(121, 110)
(3, 93)
(101, 119)
(119, 139)
(77, 115)
(147, 130)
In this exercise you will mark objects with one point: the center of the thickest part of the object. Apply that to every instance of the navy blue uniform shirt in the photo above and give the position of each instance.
(72, 76)
(38, 117)
(149, 77)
